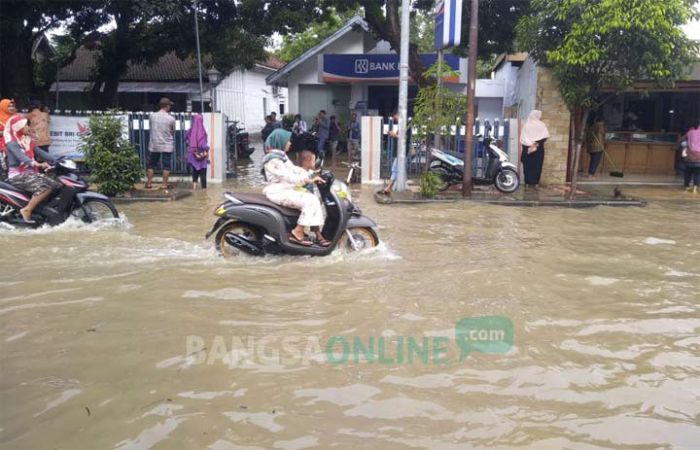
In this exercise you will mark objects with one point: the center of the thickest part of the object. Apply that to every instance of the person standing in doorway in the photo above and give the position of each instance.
(322, 131)
(532, 138)
(39, 124)
(354, 134)
(198, 151)
(161, 144)
(595, 145)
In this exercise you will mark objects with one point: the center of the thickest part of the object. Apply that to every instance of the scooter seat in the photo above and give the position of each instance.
(260, 199)
(12, 187)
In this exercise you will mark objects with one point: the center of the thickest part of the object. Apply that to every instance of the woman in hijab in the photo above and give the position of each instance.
(23, 170)
(7, 110)
(532, 138)
(197, 151)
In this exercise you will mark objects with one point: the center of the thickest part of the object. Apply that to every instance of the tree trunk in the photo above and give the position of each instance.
(579, 131)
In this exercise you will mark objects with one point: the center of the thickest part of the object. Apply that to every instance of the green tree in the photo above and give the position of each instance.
(112, 159)
(597, 46)
(22, 24)
(437, 107)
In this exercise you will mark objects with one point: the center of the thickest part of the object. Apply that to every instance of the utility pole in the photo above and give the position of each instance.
(199, 57)
(436, 136)
(403, 97)
(471, 89)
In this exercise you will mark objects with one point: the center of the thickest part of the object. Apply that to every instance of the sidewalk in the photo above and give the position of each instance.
(606, 195)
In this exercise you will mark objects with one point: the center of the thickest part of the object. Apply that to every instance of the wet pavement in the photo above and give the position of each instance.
(137, 335)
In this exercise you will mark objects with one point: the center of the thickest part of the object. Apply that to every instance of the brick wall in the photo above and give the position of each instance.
(556, 116)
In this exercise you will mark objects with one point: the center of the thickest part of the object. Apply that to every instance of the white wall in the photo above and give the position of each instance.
(240, 96)
(526, 88)
(308, 72)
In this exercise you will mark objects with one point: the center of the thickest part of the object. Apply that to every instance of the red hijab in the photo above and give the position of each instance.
(14, 132)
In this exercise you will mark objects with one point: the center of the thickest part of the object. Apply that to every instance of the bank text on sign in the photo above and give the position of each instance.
(344, 68)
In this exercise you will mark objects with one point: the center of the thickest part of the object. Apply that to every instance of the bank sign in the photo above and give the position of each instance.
(349, 68)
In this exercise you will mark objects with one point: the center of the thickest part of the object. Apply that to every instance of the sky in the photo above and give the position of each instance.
(692, 30)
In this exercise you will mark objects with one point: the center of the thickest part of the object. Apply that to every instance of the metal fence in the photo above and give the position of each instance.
(451, 140)
(139, 135)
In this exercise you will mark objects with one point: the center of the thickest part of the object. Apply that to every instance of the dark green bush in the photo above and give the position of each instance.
(113, 161)
(429, 184)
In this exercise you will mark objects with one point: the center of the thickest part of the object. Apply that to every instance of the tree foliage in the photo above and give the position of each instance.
(594, 46)
(233, 33)
(112, 159)
(437, 107)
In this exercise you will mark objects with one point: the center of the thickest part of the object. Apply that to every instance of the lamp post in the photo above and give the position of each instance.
(214, 76)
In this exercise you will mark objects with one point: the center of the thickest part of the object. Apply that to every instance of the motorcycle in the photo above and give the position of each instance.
(71, 200)
(252, 224)
(239, 141)
(499, 170)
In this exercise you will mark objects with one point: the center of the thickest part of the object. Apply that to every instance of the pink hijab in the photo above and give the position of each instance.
(534, 129)
(694, 139)
(197, 136)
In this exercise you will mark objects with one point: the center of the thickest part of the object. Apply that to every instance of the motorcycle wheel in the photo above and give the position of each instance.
(96, 209)
(241, 229)
(444, 176)
(364, 238)
(507, 181)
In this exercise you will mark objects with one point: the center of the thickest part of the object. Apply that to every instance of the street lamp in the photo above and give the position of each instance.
(214, 76)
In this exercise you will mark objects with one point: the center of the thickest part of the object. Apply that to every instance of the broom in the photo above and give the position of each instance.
(613, 173)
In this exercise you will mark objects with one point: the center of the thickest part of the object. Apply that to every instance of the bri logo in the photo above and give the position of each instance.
(361, 66)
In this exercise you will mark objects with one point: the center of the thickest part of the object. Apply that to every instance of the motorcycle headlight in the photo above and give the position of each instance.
(219, 211)
(341, 190)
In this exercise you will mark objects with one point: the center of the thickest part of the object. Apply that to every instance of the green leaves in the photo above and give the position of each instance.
(112, 159)
(608, 44)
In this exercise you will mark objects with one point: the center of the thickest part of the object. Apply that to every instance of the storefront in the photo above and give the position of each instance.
(643, 128)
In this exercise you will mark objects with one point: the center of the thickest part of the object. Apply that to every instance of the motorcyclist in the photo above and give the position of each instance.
(23, 169)
(286, 188)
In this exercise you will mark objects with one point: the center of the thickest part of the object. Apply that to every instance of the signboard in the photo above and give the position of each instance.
(448, 23)
(348, 68)
(65, 132)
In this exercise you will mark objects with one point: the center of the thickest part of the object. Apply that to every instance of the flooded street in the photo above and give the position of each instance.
(122, 336)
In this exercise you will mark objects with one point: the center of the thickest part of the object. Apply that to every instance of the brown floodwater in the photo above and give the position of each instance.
(136, 335)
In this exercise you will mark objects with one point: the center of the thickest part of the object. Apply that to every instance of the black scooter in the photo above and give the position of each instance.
(252, 224)
(72, 200)
(499, 170)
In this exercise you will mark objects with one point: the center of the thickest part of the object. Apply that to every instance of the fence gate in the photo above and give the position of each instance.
(139, 135)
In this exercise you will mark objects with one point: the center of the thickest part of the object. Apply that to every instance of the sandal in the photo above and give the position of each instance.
(304, 241)
(324, 242)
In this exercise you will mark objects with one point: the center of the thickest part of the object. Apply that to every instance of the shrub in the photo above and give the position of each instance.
(429, 184)
(113, 161)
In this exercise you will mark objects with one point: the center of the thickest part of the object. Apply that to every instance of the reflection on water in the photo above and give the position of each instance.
(95, 326)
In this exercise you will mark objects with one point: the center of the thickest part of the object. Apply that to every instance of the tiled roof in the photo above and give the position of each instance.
(168, 68)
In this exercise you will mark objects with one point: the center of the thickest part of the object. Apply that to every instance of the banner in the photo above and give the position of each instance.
(448, 23)
(346, 68)
(65, 132)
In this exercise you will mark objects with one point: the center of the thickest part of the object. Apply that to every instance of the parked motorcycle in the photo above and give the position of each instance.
(499, 170)
(252, 224)
(72, 200)
(239, 140)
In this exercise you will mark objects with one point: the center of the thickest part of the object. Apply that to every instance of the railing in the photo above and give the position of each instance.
(451, 140)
